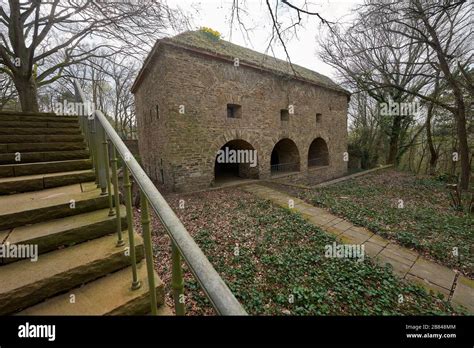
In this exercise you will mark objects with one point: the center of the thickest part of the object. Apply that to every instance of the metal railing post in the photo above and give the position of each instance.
(146, 233)
(177, 282)
(128, 204)
(87, 134)
(184, 246)
(113, 160)
(107, 175)
(93, 142)
(101, 158)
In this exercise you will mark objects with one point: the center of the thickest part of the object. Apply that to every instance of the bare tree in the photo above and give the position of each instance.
(368, 57)
(7, 90)
(285, 16)
(445, 29)
(365, 129)
(39, 39)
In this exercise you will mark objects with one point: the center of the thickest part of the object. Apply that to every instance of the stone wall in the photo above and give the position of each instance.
(132, 145)
(181, 148)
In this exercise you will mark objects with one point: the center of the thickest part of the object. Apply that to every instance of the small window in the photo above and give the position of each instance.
(234, 111)
(319, 118)
(157, 112)
(284, 115)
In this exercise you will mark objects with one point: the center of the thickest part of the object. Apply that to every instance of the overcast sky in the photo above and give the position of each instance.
(302, 50)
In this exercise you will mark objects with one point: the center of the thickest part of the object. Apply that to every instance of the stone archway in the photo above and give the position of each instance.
(285, 157)
(236, 159)
(318, 153)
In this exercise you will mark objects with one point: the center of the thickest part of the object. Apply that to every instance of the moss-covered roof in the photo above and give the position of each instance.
(205, 41)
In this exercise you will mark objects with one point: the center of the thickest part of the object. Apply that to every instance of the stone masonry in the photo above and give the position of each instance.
(194, 97)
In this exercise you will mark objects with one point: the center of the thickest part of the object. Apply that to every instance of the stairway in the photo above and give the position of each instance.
(49, 201)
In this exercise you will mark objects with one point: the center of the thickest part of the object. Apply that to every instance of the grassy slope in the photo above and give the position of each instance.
(281, 255)
(426, 222)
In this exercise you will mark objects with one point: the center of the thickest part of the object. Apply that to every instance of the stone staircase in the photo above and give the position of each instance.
(49, 201)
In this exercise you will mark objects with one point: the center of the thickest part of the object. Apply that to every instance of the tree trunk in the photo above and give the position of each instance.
(463, 145)
(421, 160)
(28, 93)
(460, 112)
(394, 138)
(433, 154)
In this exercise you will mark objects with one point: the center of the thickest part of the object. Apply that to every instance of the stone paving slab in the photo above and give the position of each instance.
(402, 252)
(397, 257)
(358, 238)
(343, 225)
(313, 211)
(434, 273)
(399, 268)
(427, 285)
(406, 263)
(334, 222)
(379, 240)
(321, 220)
(333, 230)
(372, 249)
(316, 221)
(463, 293)
(359, 234)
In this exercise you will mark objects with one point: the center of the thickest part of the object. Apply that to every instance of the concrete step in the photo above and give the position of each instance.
(32, 157)
(38, 118)
(52, 138)
(38, 124)
(27, 183)
(25, 283)
(52, 234)
(39, 131)
(110, 295)
(33, 147)
(9, 170)
(33, 207)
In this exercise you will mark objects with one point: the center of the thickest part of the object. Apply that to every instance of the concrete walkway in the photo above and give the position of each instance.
(406, 263)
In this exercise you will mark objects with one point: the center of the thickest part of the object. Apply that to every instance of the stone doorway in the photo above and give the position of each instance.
(235, 161)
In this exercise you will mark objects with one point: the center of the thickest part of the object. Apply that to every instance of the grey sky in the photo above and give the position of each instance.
(302, 50)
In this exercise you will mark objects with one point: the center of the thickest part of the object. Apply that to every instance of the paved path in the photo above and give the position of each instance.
(408, 264)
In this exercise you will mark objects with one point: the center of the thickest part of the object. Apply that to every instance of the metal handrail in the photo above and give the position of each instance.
(220, 296)
(319, 161)
(284, 167)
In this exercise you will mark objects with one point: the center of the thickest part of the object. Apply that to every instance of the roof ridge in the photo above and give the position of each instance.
(207, 42)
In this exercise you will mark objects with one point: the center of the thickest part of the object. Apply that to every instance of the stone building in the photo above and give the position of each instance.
(197, 94)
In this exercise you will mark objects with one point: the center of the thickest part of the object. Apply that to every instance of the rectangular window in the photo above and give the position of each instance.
(284, 115)
(234, 111)
(157, 112)
(319, 118)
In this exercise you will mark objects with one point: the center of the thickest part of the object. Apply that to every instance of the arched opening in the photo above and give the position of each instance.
(285, 157)
(318, 154)
(236, 160)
